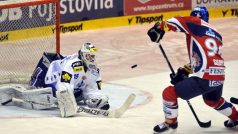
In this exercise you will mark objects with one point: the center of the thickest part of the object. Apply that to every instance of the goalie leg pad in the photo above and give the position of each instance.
(32, 105)
(6, 95)
(39, 96)
(66, 103)
(31, 99)
(5, 99)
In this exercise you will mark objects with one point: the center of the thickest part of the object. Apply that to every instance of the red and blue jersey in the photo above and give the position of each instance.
(204, 45)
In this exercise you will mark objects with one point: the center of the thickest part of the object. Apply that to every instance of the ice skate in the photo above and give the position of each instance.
(231, 124)
(165, 127)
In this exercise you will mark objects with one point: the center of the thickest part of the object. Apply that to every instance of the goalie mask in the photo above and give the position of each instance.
(88, 55)
(200, 12)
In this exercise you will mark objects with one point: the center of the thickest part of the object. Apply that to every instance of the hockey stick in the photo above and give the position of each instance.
(117, 113)
(234, 100)
(201, 124)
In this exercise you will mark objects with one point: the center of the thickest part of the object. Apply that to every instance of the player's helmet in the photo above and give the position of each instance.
(201, 12)
(88, 55)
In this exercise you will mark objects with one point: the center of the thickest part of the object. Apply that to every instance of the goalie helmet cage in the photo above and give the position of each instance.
(27, 29)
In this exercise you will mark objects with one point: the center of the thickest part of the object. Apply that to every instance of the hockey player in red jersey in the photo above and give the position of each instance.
(207, 76)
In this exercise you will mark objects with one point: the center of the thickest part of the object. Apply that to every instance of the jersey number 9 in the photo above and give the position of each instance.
(212, 47)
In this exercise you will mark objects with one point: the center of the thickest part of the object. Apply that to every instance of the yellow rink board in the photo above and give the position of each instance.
(27, 33)
(123, 21)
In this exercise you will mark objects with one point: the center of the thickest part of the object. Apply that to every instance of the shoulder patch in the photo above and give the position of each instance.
(77, 66)
(78, 69)
(66, 77)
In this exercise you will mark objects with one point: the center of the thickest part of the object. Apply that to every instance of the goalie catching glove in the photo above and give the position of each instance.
(156, 33)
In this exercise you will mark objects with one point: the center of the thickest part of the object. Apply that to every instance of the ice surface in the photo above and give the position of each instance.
(146, 111)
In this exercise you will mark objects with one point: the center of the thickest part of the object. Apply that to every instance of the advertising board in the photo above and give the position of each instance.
(80, 10)
(215, 3)
(134, 7)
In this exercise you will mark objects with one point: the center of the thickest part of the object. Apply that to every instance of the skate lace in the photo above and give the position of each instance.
(163, 125)
(232, 123)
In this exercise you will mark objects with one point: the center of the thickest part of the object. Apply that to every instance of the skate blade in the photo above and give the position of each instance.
(170, 131)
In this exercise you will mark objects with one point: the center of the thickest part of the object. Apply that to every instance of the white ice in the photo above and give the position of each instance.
(145, 112)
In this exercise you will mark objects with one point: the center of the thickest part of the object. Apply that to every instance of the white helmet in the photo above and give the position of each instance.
(88, 55)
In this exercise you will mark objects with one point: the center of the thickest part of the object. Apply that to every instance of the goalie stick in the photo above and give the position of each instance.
(117, 113)
(201, 124)
(234, 100)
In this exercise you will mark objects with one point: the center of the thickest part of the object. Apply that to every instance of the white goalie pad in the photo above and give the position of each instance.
(32, 105)
(39, 96)
(36, 98)
(66, 103)
(6, 95)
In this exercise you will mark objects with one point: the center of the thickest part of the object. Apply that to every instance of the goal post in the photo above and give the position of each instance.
(28, 28)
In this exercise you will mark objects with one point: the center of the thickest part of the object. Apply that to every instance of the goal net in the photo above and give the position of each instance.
(27, 29)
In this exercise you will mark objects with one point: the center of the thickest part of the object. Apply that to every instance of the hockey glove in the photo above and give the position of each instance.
(188, 68)
(179, 76)
(156, 33)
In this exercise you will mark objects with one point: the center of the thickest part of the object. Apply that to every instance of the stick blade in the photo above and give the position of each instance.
(205, 124)
(234, 100)
(120, 111)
